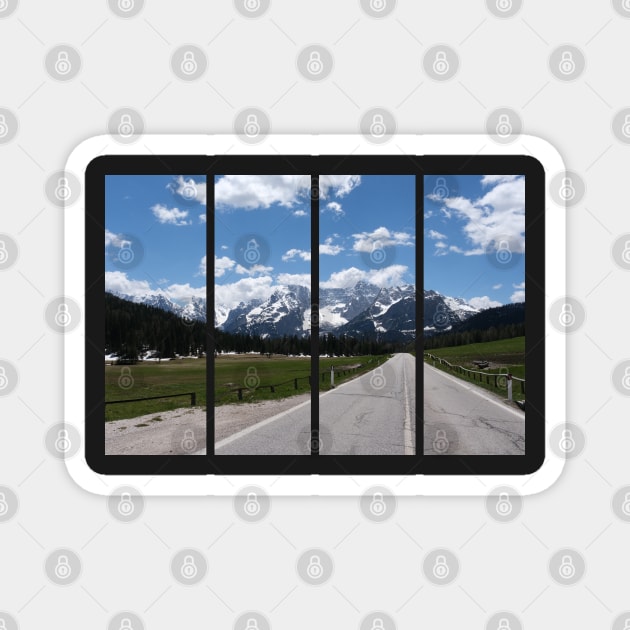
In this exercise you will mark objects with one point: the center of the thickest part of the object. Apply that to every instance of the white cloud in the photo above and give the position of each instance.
(202, 218)
(338, 185)
(454, 248)
(188, 189)
(440, 245)
(495, 217)
(118, 282)
(243, 290)
(292, 253)
(174, 216)
(221, 265)
(300, 213)
(385, 277)
(251, 192)
(335, 208)
(381, 237)
(483, 302)
(435, 235)
(115, 240)
(496, 287)
(327, 248)
(303, 279)
(224, 247)
(253, 270)
(202, 266)
(517, 296)
(520, 285)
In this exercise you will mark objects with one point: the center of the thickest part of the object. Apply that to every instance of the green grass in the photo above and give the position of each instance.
(231, 371)
(505, 355)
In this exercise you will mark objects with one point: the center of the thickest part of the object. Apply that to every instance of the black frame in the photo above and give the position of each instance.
(420, 166)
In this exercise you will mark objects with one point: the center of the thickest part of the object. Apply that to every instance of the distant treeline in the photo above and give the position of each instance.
(131, 329)
(501, 322)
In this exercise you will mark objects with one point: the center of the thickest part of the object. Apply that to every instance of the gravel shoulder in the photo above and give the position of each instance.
(183, 431)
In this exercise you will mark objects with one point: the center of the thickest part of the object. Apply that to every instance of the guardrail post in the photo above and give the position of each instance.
(272, 389)
(295, 383)
(332, 375)
(193, 399)
(240, 393)
(509, 386)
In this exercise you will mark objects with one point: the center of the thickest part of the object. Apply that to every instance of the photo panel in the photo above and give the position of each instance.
(474, 314)
(155, 315)
(367, 314)
(262, 315)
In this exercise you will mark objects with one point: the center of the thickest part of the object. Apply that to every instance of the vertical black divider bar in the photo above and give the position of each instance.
(210, 340)
(315, 438)
(419, 345)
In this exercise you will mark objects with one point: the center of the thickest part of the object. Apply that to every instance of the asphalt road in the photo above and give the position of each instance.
(370, 415)
(463, 419)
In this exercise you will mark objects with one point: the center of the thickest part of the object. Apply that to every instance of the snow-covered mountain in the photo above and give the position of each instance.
(386, 313)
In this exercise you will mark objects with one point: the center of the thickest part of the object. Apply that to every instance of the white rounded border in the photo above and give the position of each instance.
(326, 485)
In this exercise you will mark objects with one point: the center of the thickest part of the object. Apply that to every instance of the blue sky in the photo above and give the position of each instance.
(161, 219)
(268, 219)
(474, 237)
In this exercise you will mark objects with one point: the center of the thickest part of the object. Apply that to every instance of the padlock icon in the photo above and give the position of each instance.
(625, 506)
(125, 624)
(440, 189)
(567, 190)
(189, 443)
(251, 380)
(4, 506)
(625, 381)
(189, 568)
(125, 380)
(625, 128)
(62, 190)
(504, 126)
(626, 624)
(625, 255)
(189, 63)
(567, 568)
(377, 379)
(378, 624)
(63, 65)
(440, 63)
(63, 443)
(378, 5)
(314, 65)
(126, 255)
(504, 5)
(440, 442)
(567, 63)
(378, 507)
(189, 191)
(315, 570)
(440, 318)
(567, 441)
(4, 254)
(252, 253)
(4, 128)
(125, 127)
(504, 506)
(126, 506)
(378, 128)
(63, 570)
(4, 381)
(567, 316)
(125, 5)
(378, 254)
(504, 624)
(626, 5)
(441, 568)
(504, 254)
(252, 5)
(3, 624)
(252, 505)
(252, 126)
(62, 316)
(252, 624)
(4, 5)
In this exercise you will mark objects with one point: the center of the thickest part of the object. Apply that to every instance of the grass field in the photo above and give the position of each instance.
(505, 355)
(252, 373)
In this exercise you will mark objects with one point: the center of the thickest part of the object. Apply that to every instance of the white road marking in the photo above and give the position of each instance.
(475, 390)
(410, 447)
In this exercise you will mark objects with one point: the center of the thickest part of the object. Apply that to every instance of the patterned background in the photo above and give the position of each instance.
(77, 560)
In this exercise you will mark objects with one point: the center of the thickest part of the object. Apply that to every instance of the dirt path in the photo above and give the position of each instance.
(183, 431)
